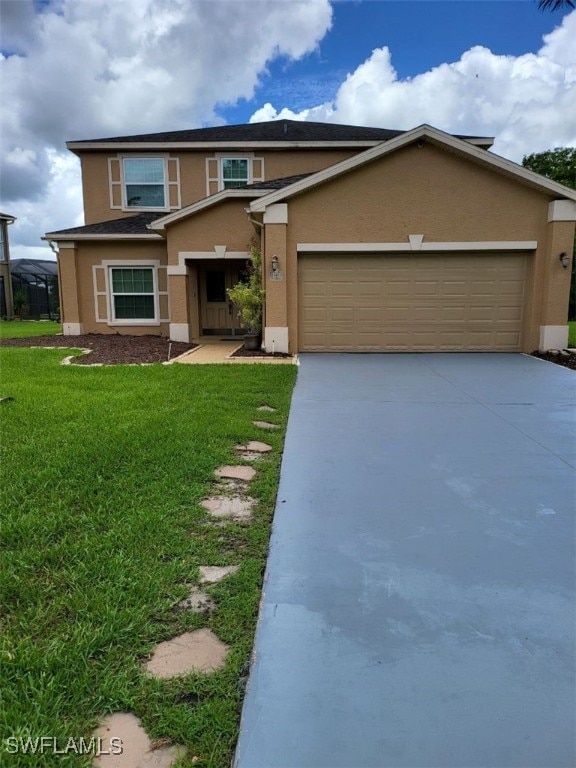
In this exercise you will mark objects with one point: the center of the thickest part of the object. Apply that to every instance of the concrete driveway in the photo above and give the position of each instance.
(419, 605)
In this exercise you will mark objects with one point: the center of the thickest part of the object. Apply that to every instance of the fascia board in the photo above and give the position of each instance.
(239, 145)
(78, 146)
(58, 237)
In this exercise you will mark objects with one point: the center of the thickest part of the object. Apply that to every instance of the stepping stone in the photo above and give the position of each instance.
(210, 574)
(239, 472)
(137, 751)
(198, 651)
(255, 445)
(267, 408)
(197, 602)
(237, 507)
(265, 425)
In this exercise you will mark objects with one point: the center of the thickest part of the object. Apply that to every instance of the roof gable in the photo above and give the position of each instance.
(435, 136)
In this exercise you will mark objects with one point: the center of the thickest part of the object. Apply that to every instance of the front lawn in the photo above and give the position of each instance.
(103, 470)
(20, 329)
(572, 333)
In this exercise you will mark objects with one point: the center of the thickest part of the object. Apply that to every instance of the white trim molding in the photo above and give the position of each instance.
(180, 332)
(276, 214)
(65, 243)
(72, 329)
(79, 146)
(176, 270)
(418, 245)
(553, 337)
(276, 339)
(217, 253)
(107, 265)
(562, 210)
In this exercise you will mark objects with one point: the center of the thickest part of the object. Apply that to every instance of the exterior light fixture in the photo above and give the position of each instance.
(564, 259)
(275, 265)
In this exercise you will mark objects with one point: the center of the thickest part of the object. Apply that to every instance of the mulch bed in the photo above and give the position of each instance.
(567, 359)
(109, 349)
(112, 349)
(242, 352)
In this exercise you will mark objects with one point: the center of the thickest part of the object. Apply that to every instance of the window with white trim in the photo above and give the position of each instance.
(234, 172)
(144, 182)
(133, 293)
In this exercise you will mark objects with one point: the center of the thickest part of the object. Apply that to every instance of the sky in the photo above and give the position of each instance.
(81, 69)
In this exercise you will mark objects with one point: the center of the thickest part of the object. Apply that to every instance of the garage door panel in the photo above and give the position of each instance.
(418, 302)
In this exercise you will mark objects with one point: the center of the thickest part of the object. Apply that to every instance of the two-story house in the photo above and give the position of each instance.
(372, 239)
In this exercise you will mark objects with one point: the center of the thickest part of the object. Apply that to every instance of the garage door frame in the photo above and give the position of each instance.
(416, 247)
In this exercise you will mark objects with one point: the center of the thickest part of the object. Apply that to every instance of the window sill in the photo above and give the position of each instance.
(133, 209)
(135, 321)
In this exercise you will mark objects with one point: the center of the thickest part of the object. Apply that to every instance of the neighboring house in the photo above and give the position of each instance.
(372, 239)
(6, 299)
(37, 279)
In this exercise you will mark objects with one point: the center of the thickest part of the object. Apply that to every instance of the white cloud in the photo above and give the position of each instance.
(527, 102)
(82, 69)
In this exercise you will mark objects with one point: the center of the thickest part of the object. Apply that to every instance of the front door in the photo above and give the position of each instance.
(218, 314)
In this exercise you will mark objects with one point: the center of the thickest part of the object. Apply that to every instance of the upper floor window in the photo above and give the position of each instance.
(144, 182)
(235, 172)
(3, 239)
(230, 170)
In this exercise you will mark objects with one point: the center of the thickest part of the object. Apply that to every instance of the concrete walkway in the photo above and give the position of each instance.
(220, 351)
(419, 605)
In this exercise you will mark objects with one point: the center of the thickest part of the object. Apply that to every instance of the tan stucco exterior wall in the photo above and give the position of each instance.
(440, 195)
(193, 174)
(76, 277)
(225, 224)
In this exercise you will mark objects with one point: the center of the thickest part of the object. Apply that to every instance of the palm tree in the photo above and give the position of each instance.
(555, 5)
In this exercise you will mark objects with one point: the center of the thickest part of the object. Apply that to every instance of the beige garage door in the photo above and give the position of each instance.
(411, 301)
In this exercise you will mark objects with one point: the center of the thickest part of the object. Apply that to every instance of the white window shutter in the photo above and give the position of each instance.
(101, 298)
(163, 295)
(257, 169)
(211, 176)
(173, 172)
(115, 182)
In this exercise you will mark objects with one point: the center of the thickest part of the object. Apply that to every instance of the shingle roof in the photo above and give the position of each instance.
(130, 225)
(285, 181)
(275, 130)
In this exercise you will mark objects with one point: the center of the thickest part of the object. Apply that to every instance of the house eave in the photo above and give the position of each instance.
(115, 146)
(57, 237)
(435, 136)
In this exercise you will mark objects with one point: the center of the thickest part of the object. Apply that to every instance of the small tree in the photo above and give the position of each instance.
(20, 301)
(248, 296)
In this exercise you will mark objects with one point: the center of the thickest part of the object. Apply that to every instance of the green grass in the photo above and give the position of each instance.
(572, 333)
(19, 329)
(103, 470)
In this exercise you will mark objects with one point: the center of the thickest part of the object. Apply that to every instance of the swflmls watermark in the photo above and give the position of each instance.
(44, 745)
